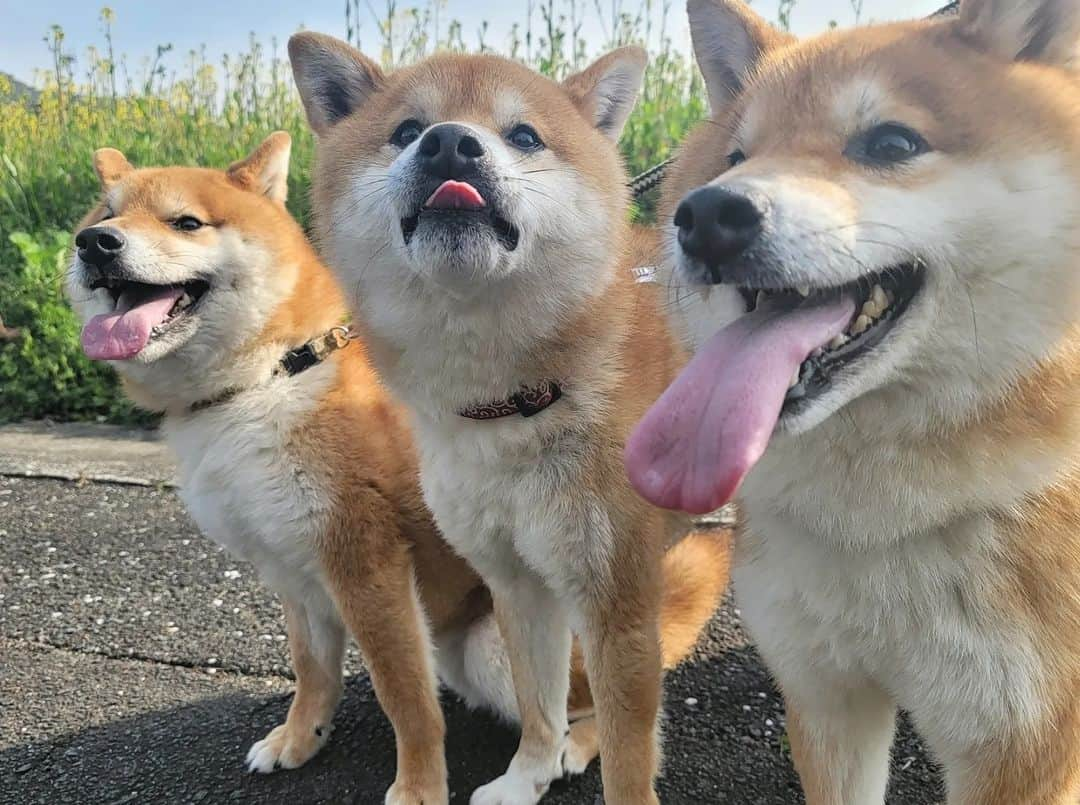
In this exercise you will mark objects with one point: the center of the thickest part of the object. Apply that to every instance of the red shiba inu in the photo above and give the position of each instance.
(205, 295)
(479, 212)
(887, 221)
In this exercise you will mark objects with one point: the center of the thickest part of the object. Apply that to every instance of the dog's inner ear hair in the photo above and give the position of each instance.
(608, 89)
(729, 41)
(1045, 31)
(334, 79)
(335, 102)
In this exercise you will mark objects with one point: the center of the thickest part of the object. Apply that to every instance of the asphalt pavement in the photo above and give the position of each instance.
(138, 662)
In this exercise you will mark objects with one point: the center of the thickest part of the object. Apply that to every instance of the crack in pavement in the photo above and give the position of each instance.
(225, 669)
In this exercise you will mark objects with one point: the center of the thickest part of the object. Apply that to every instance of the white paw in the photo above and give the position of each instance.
(286, 747)
(510, 789)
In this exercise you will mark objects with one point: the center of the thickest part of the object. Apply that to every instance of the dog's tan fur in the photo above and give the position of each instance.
(964, 459)
(376, 545)
(568, 541)
(379, 561)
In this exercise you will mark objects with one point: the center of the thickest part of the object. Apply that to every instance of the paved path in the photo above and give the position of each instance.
(139, 661)
(85, 452)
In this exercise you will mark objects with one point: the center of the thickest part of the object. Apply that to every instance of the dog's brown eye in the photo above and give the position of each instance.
(187, 223)
(736, 158)
(525, 138)
(407, 133)
(888, 144)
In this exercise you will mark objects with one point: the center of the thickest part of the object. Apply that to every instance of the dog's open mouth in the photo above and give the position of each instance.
(459, 207)
(141, 313)
(697, 444)
(881, 299)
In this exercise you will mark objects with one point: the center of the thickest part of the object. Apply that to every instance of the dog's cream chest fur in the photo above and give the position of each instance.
(916, 618)
(505, 496)
(245, 486)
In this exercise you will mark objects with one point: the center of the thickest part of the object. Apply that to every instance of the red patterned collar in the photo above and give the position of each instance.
(527, 402)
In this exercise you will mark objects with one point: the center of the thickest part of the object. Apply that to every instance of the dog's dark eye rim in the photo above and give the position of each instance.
(736, 157)
(186, 223)
(407, 132)
(887, 144)
(525, 138)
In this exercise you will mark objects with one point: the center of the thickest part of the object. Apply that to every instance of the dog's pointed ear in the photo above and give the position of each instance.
(1045, 31)
(334, 78)
(266, 170)
(110, 166)
(729, 41)
(607, 90)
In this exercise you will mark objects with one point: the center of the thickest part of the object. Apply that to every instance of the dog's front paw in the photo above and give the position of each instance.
(286, 747)
(407, 793)
(510, 789)
(582, 747)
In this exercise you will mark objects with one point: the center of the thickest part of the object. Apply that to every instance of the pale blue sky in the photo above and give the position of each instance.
(223, 26)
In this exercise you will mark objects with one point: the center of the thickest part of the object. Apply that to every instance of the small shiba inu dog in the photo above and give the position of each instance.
(889, 223)
(195, 283)
(205, 295)
(479, 211)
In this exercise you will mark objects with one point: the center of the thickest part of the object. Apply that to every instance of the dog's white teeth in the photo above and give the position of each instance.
(817, 353)
(880, 298)
(804, 290)
(839, 341)
(877, 304)
(794, 379)
(761, 297)
(861, 325)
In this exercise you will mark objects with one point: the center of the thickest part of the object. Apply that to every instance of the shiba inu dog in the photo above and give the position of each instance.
(205, 295)
(479, 212)
(195, 283)
(889, 223)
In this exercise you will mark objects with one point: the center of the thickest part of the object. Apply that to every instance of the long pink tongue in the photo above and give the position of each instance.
(125, 332)
(694, 448)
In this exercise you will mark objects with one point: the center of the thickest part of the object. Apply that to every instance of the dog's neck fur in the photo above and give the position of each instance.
(854, 487)
(312, 305)
(444, 355)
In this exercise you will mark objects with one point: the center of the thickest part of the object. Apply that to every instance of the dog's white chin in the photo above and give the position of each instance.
(465, 265)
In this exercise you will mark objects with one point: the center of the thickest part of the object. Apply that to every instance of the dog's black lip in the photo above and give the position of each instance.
(508, 234)
(905, 282)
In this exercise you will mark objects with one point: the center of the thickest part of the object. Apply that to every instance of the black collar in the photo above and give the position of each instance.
(292, 363)
(527, 402)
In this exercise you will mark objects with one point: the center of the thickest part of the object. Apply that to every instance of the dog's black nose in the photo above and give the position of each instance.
(449, 151)
(716, 226)
(100, 245)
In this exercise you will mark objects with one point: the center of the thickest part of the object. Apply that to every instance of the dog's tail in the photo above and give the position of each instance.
(696, 572)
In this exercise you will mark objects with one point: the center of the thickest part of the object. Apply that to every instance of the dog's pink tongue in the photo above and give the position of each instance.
(694, 448)
(125, 332)
(453, 195)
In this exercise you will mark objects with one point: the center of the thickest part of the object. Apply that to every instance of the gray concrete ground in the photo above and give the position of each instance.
(139, 661)
(81, 451)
